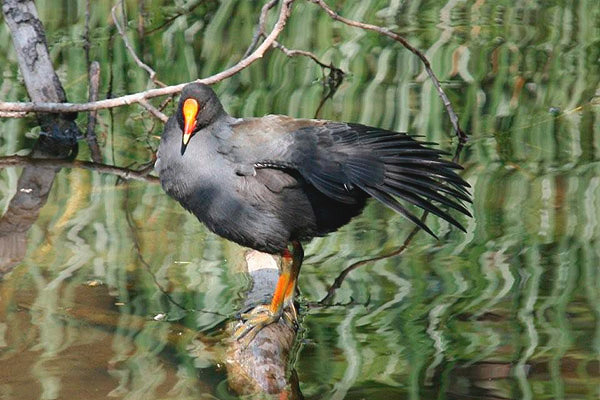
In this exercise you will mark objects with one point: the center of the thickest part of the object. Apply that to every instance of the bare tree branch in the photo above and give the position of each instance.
(168, 90)
(260, 32)
(153, 110)
(385, 31)
(304, 53)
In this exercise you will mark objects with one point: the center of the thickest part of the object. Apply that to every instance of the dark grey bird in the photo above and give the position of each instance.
(271, 182)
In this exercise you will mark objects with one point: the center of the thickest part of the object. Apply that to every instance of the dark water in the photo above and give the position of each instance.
(509, 310)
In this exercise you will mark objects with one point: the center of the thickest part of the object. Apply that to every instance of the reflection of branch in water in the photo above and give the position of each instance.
(33, 188)
(340, 279)
(351, 303)
(138, 250)
(124, 173)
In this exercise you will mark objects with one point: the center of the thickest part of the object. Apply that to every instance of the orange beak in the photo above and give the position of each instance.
(190, 111)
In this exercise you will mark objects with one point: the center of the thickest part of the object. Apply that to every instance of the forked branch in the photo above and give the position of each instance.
(393, 35)
(122, 33)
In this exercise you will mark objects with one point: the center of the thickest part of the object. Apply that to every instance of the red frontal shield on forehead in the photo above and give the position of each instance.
(190, 111)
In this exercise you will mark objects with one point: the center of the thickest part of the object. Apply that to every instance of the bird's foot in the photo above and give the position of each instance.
(259, 317)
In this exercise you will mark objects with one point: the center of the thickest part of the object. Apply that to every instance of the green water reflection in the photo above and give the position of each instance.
(509, 310)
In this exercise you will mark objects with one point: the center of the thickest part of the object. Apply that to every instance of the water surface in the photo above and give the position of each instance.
(118, 291)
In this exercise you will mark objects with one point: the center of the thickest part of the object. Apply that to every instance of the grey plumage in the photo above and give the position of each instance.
(263, 182)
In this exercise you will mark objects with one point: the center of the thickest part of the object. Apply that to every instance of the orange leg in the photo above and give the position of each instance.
(290, 292)
(283, 283)
(283, 296)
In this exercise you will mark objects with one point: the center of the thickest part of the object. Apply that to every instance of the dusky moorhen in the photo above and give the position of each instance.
(273, 181)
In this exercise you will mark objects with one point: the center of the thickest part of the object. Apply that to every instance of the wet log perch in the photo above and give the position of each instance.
(262, 366)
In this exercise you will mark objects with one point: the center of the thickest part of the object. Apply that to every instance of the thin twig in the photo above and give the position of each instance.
(260, 32)
(165, 103)
(304, 53)
(332, 83)
(385, 31)
(260, 29)
(459, 149)
(123, 173)
(137, 60)
(191, 7)
(340, 279)
(160, 108)
(153, 110)
(336, 75)
(168, 90)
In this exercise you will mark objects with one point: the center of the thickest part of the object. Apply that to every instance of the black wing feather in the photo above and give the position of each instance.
(392, 203)
(386, 165)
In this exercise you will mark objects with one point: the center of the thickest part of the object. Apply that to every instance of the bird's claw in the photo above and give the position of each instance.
(292, 317)
(259, 317)
(256, 319)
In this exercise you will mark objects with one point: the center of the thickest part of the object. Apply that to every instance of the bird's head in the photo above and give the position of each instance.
(198, 107)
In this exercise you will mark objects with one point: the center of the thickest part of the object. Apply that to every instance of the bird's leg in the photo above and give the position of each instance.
(290, 292)
(283, 296)
(264, 315)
